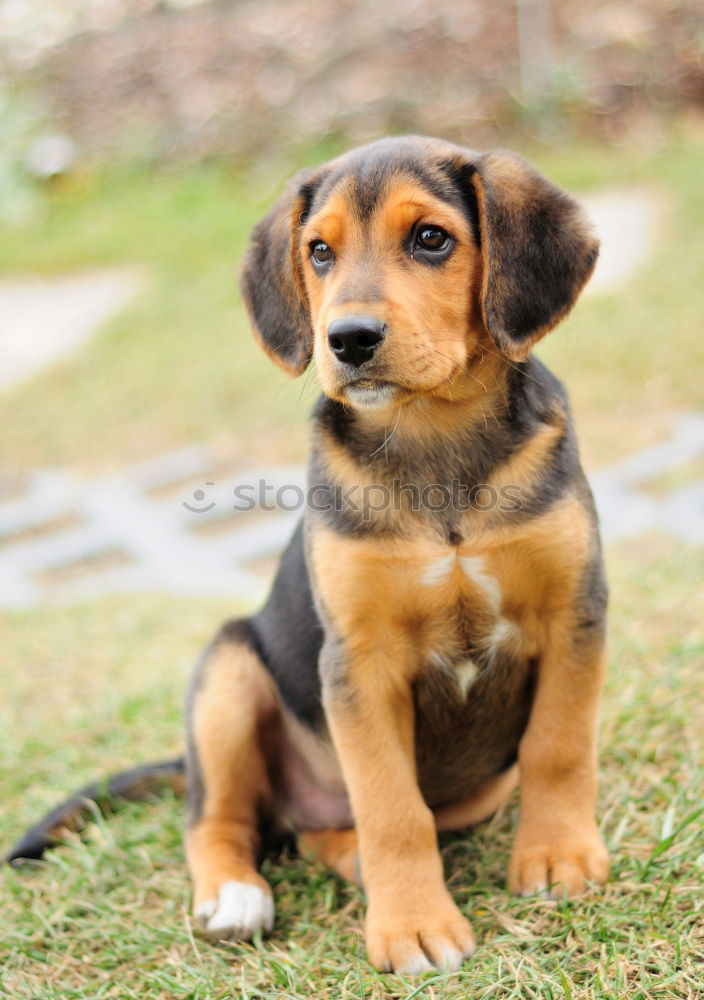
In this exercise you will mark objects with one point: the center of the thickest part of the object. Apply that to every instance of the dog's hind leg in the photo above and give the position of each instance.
(338, 848)
(480, 805)
(232, 719)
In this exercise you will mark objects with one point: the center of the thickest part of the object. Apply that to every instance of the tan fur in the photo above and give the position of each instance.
(338, 849)
(372, 589)
(237, 695)
(480, 805)
(389, 622)
(558, 846)
(427, 314)
(399, 860)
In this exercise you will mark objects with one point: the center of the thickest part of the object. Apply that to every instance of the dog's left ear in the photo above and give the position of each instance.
(537, 246)
(271, 281)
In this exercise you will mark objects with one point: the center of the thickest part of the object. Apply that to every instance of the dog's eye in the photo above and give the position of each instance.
(432, 239)
(320, 252)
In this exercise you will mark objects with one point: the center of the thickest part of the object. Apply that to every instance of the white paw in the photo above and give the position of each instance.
(416, 965)
(240, 910)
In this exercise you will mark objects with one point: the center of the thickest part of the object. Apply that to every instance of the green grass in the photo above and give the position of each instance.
(107, 916)
(179, 364)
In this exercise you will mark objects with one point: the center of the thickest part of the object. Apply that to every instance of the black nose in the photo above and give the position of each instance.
(355, 338)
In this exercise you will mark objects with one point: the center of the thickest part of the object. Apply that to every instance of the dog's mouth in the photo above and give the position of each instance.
(370, 394)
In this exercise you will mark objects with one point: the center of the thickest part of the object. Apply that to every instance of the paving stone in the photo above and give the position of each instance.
(45, 319)
(626, 222)
(627, 509)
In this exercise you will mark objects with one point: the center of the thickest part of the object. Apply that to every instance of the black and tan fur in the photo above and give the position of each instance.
(412, 664)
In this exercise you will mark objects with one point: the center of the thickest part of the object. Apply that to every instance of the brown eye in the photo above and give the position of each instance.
(432, 239)
(320, 252)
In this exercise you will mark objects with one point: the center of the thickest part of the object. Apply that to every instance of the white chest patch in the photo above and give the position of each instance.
(505, 631)
(438, 570)
(505, 635)
(475, 569)
(465, 675)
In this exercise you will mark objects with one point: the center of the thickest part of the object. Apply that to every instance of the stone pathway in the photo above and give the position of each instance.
(634, 497)
(162, 525)
(626, 222)
(170, 524)
(45, 319)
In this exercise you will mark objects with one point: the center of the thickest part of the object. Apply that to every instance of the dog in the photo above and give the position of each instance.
(420, 654)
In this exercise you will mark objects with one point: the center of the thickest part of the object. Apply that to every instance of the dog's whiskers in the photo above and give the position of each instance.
(308, 382)
(388, 437)
(459, 368)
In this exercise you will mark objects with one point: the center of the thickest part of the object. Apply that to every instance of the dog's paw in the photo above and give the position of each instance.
(560, 868)
(440, 938)
(239, 911)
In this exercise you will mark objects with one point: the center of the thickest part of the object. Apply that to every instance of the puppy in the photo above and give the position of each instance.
(435, 633)
(416, 654)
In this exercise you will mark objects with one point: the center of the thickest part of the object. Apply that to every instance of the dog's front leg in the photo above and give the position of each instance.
(558, 847)
(412, 922)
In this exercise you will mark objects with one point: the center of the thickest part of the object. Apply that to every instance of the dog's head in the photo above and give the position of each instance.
(393, 264)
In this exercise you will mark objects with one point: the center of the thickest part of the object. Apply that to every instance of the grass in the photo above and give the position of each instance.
(89, 689)
(179, 364)
(107, 915)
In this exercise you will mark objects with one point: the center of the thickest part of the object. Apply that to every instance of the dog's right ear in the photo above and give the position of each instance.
(272, 278)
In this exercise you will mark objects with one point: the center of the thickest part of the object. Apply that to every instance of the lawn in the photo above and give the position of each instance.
(92, 688)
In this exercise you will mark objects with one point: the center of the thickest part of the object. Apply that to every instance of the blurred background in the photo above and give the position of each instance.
(139, 143)
(140, 140)
(186, 79)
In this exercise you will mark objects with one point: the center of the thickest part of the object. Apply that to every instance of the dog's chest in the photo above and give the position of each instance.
(426, 604)
(459, 622)
(475, 680)
(468, 609)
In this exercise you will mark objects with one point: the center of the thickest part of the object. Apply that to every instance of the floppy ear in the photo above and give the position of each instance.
(271, 281)
(537, 247)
